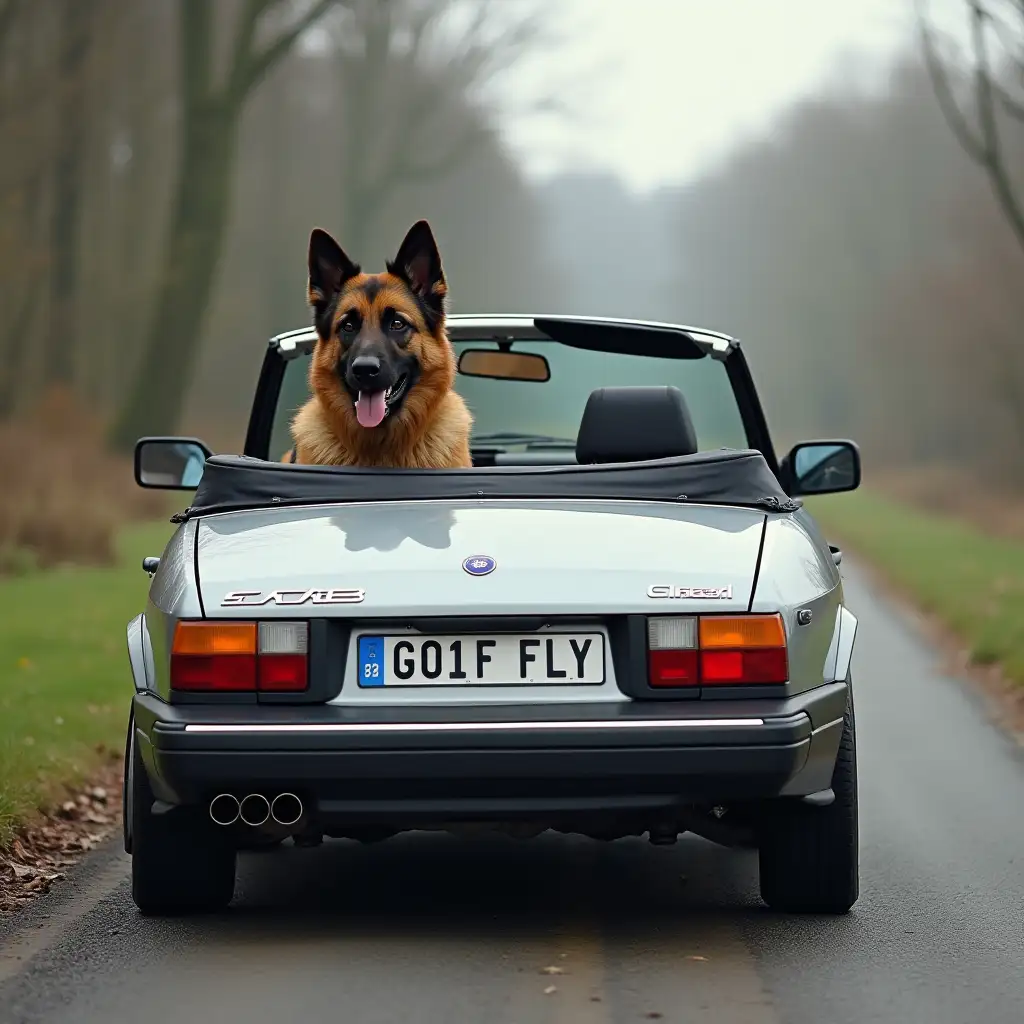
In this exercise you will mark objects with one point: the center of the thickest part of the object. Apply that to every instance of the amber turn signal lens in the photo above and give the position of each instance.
(737, 632)
(215, 638)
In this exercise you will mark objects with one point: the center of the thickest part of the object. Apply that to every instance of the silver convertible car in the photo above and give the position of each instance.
(620, 622)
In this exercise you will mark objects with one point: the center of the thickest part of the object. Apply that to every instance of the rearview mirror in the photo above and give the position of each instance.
(823, 467)
(170, 463)
(489, 362)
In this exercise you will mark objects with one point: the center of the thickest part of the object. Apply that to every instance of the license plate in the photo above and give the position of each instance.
(504, 659)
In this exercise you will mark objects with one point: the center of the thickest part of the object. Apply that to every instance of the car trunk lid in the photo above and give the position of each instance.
(587, 558)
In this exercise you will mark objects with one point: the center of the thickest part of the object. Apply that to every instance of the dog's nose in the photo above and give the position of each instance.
(365, 370)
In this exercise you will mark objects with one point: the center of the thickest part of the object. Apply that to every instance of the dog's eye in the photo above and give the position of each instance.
(398, 324)
(347, 326)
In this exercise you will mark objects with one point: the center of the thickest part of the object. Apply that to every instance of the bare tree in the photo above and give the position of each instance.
(9, 10)
(994, 25)
(23, 244)
(75, 24)
(406, 67)
(211, 111)
(13, 334)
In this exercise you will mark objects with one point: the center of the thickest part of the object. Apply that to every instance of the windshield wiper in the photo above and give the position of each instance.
(527, 440)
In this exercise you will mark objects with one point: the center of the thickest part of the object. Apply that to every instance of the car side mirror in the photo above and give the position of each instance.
(170, 463)
(822, 467)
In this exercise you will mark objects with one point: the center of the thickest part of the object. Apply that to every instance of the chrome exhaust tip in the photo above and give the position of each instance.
(224, 809)
(254, 810)
(286, 809)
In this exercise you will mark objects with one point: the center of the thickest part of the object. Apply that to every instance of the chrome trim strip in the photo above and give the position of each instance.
(827, 725)
(692, 723)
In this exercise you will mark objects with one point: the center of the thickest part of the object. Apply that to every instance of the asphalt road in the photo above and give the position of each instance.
(431, 929)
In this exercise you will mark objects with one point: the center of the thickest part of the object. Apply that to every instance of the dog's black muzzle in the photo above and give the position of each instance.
(367, 373)
(368, 369)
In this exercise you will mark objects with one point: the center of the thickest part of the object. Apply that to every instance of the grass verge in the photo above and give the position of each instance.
(64, 669)
(972, 582)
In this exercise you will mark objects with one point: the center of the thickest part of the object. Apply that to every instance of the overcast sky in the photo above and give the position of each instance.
(666, 87)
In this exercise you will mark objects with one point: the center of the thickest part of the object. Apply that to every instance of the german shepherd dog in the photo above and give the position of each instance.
(383, 371)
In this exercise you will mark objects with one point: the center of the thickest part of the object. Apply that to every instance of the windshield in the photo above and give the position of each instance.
(554, 408)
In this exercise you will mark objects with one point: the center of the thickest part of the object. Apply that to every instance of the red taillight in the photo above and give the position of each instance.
(673, 668)
(716, 650)
(721, 666)
(231, 657)
(754, 667)
(282, 672)
(223, 672)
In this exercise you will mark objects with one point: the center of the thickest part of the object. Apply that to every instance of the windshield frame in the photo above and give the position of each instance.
(638, 337)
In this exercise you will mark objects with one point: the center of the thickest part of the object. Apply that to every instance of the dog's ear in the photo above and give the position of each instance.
(418, 263)
(329, 269)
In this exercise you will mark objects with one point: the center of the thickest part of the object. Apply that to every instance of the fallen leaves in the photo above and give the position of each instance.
(42, 851)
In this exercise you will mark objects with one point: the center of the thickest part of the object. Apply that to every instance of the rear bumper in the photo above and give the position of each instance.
(356, 765)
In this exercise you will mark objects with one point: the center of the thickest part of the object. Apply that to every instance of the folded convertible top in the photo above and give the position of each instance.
(726, 477)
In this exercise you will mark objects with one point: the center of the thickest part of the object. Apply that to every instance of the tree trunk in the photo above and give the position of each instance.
(361, 78)
(282, 287)
(15, 341)
(15, 348)
(62, 327)
(192, 252)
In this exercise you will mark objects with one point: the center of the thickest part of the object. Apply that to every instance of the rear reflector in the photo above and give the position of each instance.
(213, 672)
(229, 657)
(673, 668)
(282, 672)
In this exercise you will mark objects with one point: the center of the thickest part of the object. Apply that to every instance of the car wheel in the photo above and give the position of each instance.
(180, 863)
(126, 782)
(809, 856)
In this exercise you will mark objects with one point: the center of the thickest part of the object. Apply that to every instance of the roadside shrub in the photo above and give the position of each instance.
(63, 496)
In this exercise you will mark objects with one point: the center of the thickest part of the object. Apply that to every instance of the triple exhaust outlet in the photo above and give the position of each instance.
(255, 809)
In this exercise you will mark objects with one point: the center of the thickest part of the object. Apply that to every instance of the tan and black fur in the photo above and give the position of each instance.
(381, 333)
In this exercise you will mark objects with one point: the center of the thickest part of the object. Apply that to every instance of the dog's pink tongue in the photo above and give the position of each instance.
(370, 408)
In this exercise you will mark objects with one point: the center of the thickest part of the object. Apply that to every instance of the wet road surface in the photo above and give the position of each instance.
(432, 929)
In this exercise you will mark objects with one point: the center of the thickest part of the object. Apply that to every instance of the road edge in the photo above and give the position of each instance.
(1001, 699)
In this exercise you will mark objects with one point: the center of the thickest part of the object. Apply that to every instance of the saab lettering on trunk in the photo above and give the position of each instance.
(256, 598)
(691, 593)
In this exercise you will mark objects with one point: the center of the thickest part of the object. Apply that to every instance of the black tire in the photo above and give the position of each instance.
(126, 830)
(181, 864)
(810, 856)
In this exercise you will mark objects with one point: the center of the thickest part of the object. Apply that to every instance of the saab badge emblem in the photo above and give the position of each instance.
(691, 593)
(479, 565)
(256, 598)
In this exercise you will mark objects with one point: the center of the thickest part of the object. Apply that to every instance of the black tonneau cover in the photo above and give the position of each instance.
(726, 477)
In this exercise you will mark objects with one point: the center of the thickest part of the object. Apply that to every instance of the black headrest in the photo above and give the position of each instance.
(634, 424)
